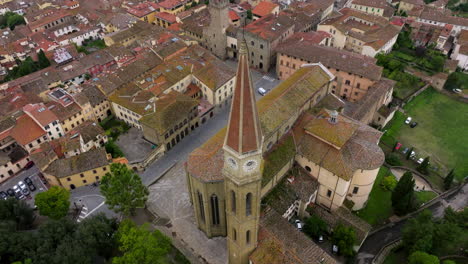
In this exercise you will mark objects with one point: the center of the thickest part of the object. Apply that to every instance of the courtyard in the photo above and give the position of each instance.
(439, 133)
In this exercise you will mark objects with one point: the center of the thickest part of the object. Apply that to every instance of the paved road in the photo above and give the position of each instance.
(378, 240)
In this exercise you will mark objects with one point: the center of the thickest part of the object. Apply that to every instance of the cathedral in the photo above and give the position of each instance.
(230, 174)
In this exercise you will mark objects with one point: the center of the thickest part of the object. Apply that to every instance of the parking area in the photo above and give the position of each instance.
(33, 174)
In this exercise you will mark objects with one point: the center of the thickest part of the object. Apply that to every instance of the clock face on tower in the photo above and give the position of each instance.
(250, 165)
(232, 163)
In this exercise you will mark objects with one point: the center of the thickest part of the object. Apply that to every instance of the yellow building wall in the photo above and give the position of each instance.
(84, 178)
(368, 9)
(364, 180)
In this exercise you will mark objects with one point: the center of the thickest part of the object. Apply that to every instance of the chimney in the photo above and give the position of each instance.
(333, 117)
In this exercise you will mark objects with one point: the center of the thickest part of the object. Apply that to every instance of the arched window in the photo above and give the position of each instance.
(308, 168)
(234, 234)
(214, 210)
(200, 204)
(247, 237)
(248, 204)
(233, 201)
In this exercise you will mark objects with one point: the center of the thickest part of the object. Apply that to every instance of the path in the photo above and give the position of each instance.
(420, 183)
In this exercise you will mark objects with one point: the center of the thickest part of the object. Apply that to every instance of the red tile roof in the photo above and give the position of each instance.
(233, 15)
(26, 130)
(143, 9)
(264, 8)
(169, 4)
(40, 113)
(170, 18)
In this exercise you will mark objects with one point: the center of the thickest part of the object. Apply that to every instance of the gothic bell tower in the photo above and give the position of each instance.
(243, 166)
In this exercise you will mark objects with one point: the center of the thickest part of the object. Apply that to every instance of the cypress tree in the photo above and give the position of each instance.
(449, 179)
(402, 195)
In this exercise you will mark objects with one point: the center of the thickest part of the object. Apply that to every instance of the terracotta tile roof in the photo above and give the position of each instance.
(89, 131)
(244, 134)
(143, 9)
(48, 19)
(233, 16)
(170, 18)
(331, 57)
(442, 15)
(43, 155)
(270, 27)
(359, 145)
(414, 2)
(463, 37)
(40, 113)
(169, 4)
(281, 243)
(26, 130)
(86, 161)
(264, 8)
(372, 3)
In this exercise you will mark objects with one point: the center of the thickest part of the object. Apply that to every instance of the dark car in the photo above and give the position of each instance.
(3, 195)
(25, 192)
(31, 187)
(11, 192)
(414, 124)
(29, 165)
(28, 181)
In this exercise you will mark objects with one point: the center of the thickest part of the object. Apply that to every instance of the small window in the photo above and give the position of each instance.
(94, 171)
(97, 177)
(84, 181)
(248, 204)
(104, 168)
(358, 85)
(81, 175)
(348, 82)
(355, 190)
(234, 234)
(68, 179)
(247, 237)
(329, 193)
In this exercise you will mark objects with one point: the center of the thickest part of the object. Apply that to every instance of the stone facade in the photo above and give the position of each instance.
(214, 35)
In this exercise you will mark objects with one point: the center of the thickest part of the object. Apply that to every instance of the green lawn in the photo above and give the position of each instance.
(379, 205)
(441, 130)
(425, 196)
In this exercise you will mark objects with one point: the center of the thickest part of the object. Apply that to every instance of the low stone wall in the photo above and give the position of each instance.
(277, 178)
(383, 253)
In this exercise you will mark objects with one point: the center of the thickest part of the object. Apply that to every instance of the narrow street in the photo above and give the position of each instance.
(381, 238)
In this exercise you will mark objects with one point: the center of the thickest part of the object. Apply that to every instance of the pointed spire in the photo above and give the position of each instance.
(244, 132)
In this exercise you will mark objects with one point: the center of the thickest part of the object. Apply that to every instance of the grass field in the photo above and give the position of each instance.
(379, 205)
(425, 196)
(441, 130)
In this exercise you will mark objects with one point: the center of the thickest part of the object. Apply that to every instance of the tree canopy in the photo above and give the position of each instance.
(54, 202)
(403, 193)
(11, 20)
(16, 214)
(315, 226)
(139, 245)
(344, 237)
(419, 257)
(123, 189)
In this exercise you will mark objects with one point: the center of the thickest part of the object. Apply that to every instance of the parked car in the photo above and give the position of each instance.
(398, 145)
(32, 187)
(320, 239)
(298, 224)
(457, 90)
(408, 120)
(3, 195)
(22, 185)
(18, 193)
(28, 181)
(335, 249)
(11, 192)
(405, 150)
(420, 160)
(29, 165)
(25, 192)
(413, 124)
(262, 91)
(413, 154)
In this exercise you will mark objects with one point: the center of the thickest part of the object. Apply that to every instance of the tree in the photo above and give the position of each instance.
(113, 149)
(315, 226)
(123, 189)
(249, 14)
(344, 237)
(459, 218)
(418, 233)
(448, 262)
(424, 166)
(419, 257)
(449, 179)
(139, 245)
(389, 183)
(402, 195)
(448, 236)
(393, 159)
(54, 202)
(42, 60)
(18, 213)
(408, 154)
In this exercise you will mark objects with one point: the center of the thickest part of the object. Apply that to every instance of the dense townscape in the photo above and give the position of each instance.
(233, 131)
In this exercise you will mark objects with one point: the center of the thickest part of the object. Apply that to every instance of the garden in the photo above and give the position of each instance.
(114, 128)
(441, 124)
(405, 57)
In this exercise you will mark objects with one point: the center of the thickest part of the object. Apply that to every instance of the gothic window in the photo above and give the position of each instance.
(234, 234)
(348, 82)
(233, 201)
(329, 193)
(247, 237)
(200, 204)
(248, 204)
(214, 210)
